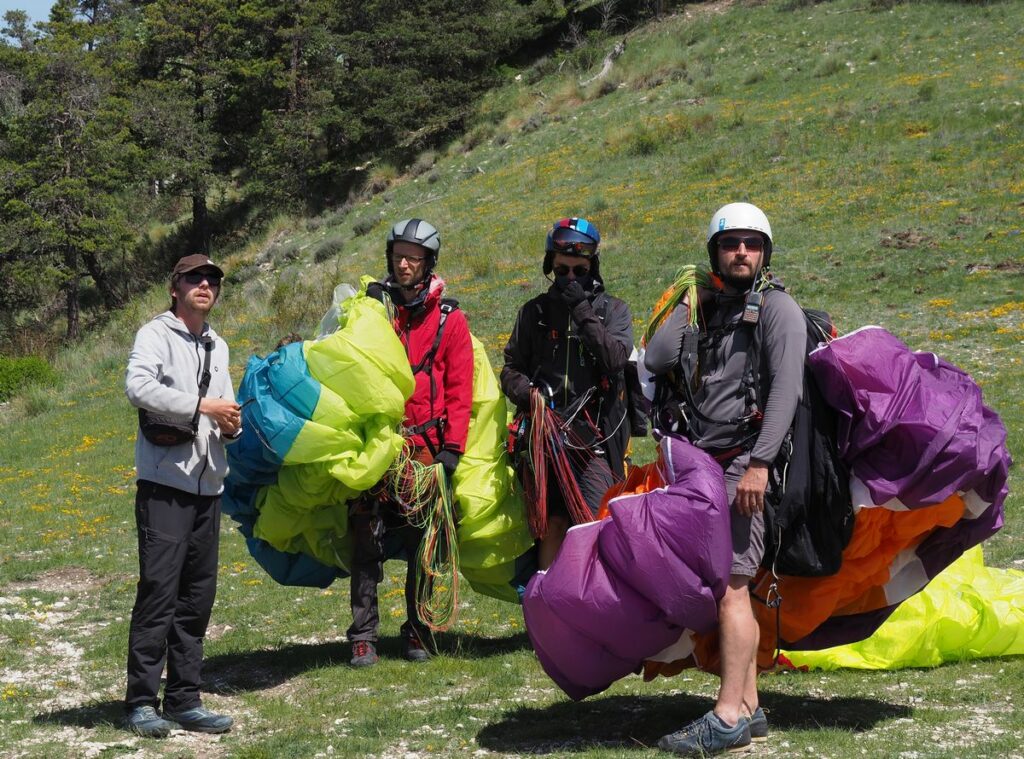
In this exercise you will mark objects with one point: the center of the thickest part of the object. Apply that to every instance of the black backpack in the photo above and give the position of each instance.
(808, 511)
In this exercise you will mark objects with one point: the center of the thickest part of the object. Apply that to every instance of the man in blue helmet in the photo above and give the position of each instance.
(572, 344)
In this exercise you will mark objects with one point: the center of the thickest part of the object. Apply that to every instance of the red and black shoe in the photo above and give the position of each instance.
(364, 654)
(413, 648)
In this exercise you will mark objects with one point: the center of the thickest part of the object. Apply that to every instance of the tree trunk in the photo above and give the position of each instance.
(200, 239)
(71, 295)
(111, 298)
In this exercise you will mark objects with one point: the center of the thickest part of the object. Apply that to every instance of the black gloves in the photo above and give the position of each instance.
(449, 460)
(375, 290)
(573, 294)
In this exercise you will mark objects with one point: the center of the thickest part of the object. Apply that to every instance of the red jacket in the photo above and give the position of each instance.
(452, 373)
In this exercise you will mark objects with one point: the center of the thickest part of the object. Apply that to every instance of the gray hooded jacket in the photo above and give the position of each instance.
(164, 370)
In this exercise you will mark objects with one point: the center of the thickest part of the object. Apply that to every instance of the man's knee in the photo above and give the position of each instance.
(737, 595)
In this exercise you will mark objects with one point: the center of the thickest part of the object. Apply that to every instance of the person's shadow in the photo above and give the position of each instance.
(227, 674)
(638, 721)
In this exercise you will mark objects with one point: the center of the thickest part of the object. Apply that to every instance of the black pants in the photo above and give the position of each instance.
(593, 477)
(368, 531)
(179, 537)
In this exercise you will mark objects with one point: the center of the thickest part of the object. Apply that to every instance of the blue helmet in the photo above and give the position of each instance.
(574, 237)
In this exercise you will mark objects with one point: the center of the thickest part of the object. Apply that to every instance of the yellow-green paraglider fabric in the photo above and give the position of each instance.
(352, 438)
(969, 611)
(492, 529)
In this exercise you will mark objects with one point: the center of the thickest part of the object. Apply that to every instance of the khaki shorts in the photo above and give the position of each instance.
(747, 532)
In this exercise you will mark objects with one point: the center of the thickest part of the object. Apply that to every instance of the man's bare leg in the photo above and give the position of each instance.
(738, 639)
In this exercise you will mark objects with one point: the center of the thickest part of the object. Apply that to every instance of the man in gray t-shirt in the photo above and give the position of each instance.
(740, 410)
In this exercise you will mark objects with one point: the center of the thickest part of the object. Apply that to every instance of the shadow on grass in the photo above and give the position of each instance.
(638, 721)
(228, 674)
(258, 670)
(99, 714)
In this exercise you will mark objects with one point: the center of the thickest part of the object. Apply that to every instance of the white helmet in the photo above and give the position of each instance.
(738, 216)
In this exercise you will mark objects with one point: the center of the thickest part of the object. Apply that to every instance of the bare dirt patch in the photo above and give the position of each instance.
(61, 580)
(905, 239)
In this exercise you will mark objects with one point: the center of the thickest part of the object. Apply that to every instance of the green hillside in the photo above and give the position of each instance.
(886, 144)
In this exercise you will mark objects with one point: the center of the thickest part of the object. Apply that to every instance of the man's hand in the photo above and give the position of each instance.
(449, 460)
(751, 487)
(375, 290)
(227, 414)
(573, 294)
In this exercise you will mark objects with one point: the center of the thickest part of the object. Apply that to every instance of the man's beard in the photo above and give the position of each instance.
(740, 283)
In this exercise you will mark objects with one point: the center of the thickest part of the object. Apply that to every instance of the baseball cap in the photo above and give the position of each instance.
(193, 262)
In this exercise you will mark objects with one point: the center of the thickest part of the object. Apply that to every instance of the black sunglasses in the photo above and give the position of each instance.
(732, 242)
(580, 270)
(197, 277)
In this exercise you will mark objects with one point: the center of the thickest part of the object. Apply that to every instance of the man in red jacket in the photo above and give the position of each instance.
(436, 338)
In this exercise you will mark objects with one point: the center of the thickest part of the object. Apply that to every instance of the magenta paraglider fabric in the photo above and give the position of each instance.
(630, 585)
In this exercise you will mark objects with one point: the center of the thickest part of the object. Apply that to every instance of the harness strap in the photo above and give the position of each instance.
(204, 382)
(426, 364)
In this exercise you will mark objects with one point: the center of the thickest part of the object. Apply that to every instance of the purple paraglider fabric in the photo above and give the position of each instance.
(929, 467)
(917, 437)
(629, 586)
(912, 426)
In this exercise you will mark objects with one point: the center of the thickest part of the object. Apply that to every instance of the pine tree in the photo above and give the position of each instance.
(67, 156)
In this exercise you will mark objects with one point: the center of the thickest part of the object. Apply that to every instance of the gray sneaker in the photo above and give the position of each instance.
(758, 726)
(147, 722)
(708, 736)
(201, 720)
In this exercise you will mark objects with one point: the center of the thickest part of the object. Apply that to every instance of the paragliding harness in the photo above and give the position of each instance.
(426, 364)
(808, 511)
(547, 438)
(582, 416)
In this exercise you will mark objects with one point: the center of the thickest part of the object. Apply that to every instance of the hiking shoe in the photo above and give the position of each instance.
(147, 722)
(201, 720)
(413, 648)
(758, 726)
(708, 736)
(364, 654)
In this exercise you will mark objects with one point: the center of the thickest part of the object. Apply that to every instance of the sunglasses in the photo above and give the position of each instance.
(753, 243)
(580, 270)
(197, 277)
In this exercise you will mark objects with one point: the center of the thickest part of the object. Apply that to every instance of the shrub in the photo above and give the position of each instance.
(423, 163)
(361, 226)
(828, 66)
(328, 248)
(16, 374)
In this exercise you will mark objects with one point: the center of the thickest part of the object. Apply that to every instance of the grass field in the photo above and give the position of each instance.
(886, 145)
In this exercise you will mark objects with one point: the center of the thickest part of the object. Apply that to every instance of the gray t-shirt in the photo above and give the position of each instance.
(720, 393)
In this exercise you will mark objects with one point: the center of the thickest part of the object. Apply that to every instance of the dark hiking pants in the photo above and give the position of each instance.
(178, 542)
(368, 531)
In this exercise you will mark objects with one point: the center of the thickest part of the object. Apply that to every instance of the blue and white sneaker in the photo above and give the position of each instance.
(708, 736)
(758, 726)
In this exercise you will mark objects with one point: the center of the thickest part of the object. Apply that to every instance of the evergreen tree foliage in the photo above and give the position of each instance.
(112, 106)
(66, 156)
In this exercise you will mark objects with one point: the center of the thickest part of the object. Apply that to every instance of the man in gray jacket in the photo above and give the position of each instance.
(739, 407)
(177, 502)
